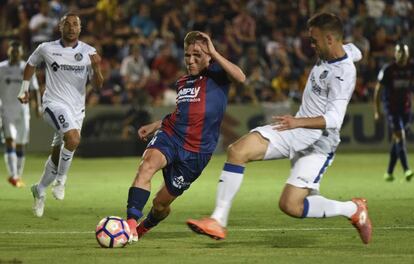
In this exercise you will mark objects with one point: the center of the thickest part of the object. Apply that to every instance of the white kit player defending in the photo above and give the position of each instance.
(69, 65)
(15, 116)
(308, 139)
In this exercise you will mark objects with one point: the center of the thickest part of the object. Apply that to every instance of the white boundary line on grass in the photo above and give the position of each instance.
(233, 230)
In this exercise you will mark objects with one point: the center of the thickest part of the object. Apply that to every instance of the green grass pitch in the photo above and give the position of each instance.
(258, 231)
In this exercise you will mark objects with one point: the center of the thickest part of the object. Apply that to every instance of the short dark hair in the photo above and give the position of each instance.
(69, 14)
(191, 38)
(327, 22)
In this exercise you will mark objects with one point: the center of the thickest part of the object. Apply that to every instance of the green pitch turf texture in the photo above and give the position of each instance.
(258, 231)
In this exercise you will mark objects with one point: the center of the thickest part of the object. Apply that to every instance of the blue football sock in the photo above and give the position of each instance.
(393, 158)
(137, 198)
(403, 155)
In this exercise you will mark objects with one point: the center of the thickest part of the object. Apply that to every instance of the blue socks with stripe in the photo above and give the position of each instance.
(137, 198)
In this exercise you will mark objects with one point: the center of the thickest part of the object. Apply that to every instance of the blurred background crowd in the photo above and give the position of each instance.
(141, 42)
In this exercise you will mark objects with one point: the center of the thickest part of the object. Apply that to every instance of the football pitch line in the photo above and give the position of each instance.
(232, 230)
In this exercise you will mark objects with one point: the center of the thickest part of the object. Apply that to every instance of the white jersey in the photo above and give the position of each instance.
(11, 77)
(67, 71)
(327, 93)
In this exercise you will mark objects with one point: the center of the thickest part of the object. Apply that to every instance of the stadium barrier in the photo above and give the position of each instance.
(101, 134)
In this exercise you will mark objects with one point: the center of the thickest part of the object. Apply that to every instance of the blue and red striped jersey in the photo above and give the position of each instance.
(201, 103)
(398, 84)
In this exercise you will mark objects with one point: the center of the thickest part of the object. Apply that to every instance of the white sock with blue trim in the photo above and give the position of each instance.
(229, 184)
(10, 159)
(65, 161)
(319, 207)
(48, 176)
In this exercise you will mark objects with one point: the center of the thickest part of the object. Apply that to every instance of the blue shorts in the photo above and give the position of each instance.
(398, 122)
(183, 167)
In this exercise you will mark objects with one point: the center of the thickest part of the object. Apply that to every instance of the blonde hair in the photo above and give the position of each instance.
(191, 38)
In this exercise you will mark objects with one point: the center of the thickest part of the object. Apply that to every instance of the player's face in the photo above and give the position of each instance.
(15, 53)
(195, 58)
(402, 54)
(70, 28)
(319, 42)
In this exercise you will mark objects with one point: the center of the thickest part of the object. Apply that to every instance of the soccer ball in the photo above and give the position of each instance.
(112, 232)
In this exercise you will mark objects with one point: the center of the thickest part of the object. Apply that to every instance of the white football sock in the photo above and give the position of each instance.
(49, 175)
(320, 207)
(10, 159)
(229, 184)
(20, 165)
(65, 160)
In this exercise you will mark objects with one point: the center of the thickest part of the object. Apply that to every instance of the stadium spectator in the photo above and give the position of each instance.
(185, 139)
(309, 140)
(134, 70)
(15, 116)
(394, 89)
(245, 28)
(142, 23)
(69, 63)
(42, 25)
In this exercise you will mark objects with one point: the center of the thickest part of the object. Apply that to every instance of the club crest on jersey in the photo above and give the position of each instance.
(323, 75)
(78, 56)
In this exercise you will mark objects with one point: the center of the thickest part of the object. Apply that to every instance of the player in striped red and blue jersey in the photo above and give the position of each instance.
(395, 85)
(185, 139)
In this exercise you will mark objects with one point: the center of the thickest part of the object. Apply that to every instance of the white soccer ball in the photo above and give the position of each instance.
(112, 232)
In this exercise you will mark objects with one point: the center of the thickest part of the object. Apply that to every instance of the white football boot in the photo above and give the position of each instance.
(39, 201)
(58, 190)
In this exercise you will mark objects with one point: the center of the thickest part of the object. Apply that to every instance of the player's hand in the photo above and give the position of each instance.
(145, 131)
(24, 99)
(209, 48)
(377, 116)
(95, 61)
(284, 122)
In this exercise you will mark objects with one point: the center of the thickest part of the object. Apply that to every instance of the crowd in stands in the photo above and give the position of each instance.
(141, 42)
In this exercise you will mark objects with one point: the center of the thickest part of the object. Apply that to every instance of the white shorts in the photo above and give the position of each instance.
(62, 120)
(17, 126)
(307, 165)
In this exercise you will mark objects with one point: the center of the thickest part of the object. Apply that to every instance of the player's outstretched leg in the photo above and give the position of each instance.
(295, 202)
(361, 220)
(248, 148)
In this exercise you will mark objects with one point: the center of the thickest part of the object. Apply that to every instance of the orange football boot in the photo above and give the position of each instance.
(207, 226)
(360, 220)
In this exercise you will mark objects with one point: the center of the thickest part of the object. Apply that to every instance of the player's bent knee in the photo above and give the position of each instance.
(236, 151)
(72, 140)
(292, 208)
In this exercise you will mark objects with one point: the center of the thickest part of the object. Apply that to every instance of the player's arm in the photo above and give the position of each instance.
(233, 71)
(97, 80)
(383, 78)
(35, 93)
(338, 98)
(377, 102)
(28, 72)
(286, 122)
(145, 131)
